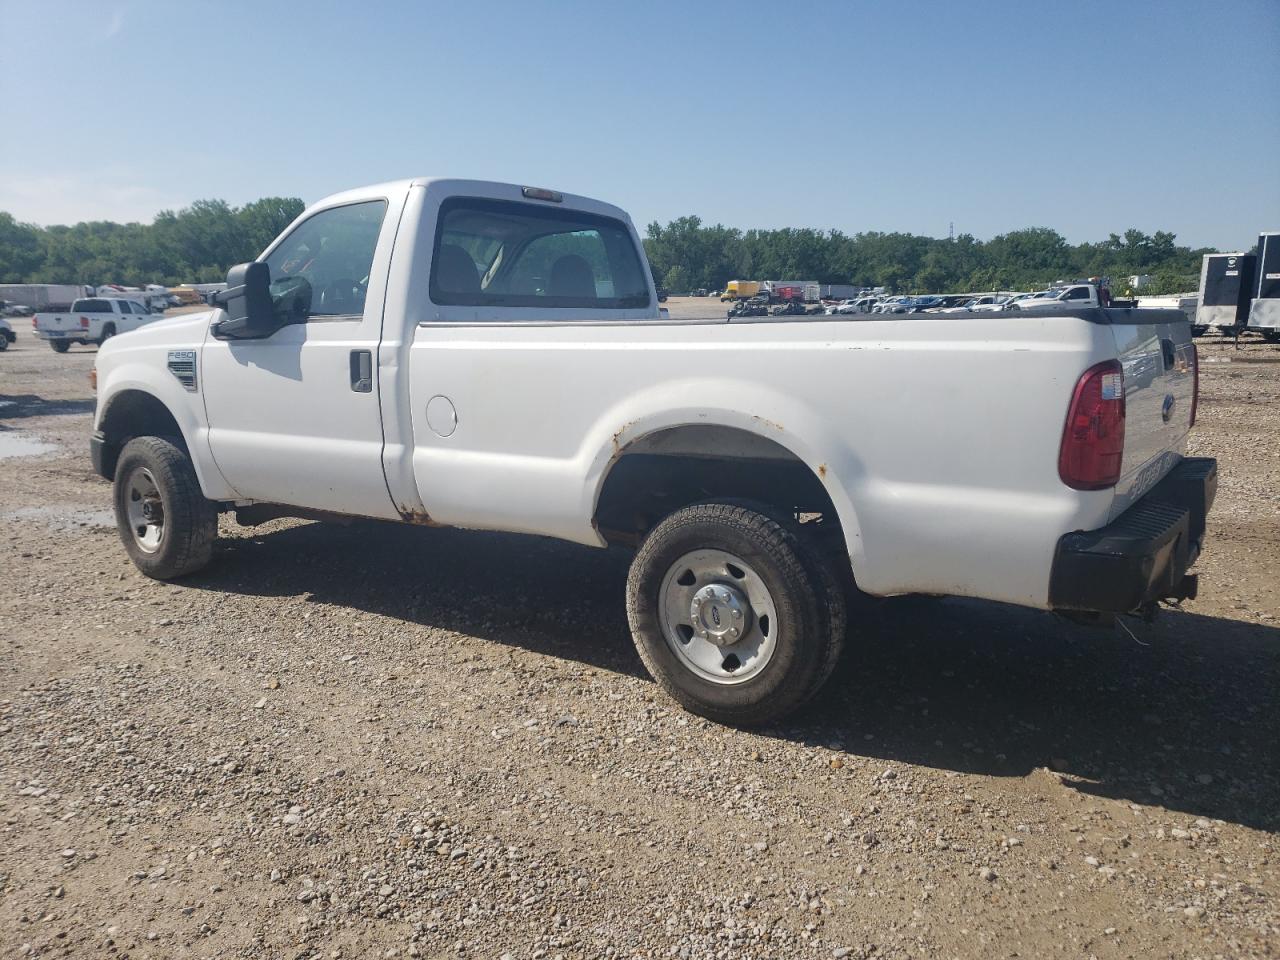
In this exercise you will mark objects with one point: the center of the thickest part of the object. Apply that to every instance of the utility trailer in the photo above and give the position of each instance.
(1264, 312)
(1226, 287)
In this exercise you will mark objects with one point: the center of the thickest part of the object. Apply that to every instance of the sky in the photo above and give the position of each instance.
(891, 115)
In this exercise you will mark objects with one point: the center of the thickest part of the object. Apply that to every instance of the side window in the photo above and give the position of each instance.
(1079, 293)
(504, 253)
(327, 259)
(124, 306)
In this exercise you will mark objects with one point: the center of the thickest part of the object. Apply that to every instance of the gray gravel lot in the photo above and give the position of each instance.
(376, 741)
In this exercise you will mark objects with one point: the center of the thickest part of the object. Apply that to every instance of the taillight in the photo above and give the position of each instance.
(1195, 382)
(84, 323)
(33, 322)
(1093, 441)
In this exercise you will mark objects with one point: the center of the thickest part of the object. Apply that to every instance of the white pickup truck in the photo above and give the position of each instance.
(1074, 297)
(474, 354)
(91, 320)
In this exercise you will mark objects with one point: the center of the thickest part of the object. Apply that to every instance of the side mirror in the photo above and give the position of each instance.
(247, 300)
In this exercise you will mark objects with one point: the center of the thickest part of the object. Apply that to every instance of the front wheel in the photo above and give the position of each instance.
(734, 613)
(167, 525)
(4, 342)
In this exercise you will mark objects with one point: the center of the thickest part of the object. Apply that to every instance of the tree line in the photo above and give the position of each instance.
(686, 255)
(193, 245)
(197, 244)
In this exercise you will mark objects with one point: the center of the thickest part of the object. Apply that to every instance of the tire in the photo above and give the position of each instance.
(187, 523)
(789, 645)
(60, 346)
(108, 332)
(4, 343)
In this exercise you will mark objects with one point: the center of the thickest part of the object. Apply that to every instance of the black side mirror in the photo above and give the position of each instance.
(247, 300)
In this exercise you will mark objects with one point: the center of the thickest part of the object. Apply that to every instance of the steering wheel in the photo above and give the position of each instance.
(341, 296)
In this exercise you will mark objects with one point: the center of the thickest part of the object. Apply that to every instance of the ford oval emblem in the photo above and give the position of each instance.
(1167, 411)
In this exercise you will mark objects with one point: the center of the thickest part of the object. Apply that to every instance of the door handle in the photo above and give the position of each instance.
(362, 371)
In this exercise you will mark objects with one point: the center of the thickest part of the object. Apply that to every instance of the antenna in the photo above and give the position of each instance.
(952, 234)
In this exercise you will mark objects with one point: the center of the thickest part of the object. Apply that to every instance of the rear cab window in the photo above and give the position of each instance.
(503, 253)
(91, 306)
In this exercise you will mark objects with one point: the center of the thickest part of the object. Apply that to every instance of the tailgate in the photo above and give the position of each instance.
(1155, 349)
(58, 322)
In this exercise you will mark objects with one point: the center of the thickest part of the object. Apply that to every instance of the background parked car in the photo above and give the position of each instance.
(7, 336)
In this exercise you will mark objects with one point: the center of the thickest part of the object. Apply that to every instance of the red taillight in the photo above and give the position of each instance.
(1093, 441)
(84, 323)
(1195, 382)
(33, 322)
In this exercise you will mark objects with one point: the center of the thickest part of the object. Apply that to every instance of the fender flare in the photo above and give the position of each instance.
(814, 444)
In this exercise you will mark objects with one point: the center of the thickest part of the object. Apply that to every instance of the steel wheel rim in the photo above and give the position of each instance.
(144, 509)
(705, 595)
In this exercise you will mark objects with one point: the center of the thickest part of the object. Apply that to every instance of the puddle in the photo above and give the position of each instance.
(18, 445)
(68, 519)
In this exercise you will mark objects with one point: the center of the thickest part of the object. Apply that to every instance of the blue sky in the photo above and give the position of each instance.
(1086, 117)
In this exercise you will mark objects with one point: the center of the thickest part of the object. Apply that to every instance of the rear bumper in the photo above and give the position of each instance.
(1144, 555)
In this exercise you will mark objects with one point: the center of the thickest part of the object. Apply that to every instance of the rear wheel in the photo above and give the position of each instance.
(735, 614)
(60, 346)
(4, 341)
(108, 332)
(165, 522)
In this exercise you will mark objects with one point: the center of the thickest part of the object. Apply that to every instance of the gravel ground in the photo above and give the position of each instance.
(375, 741)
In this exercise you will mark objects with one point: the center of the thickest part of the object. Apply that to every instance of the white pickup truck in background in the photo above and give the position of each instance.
(91, 320)
(475, 354)
(1073, 297)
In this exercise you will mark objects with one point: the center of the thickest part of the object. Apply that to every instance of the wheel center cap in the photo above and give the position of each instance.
(720, 614)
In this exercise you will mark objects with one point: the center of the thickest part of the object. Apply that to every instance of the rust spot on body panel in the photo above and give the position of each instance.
(769, 423)
(417, 517)
(617, 437)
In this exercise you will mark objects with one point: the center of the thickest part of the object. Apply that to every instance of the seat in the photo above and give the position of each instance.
(456, 272)
(571, 276)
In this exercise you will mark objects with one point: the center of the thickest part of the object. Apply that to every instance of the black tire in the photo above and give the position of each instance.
(4, 341)
(60, 346)
(189, 522)
(808, 600)
(108, 332)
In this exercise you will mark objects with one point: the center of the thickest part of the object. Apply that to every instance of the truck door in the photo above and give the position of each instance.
(294, 417)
